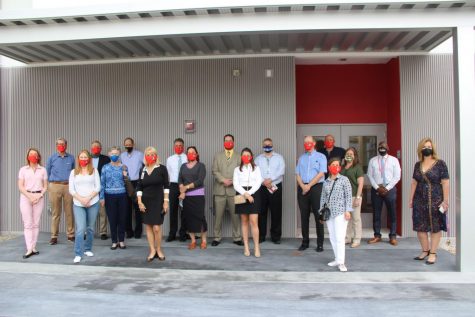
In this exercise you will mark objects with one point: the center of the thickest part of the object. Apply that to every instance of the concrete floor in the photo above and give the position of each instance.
(383, 280)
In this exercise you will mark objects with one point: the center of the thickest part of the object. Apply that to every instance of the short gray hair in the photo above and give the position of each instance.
(62, 139)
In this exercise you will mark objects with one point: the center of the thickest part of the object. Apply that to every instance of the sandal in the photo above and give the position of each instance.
(418, 258)
(203, 245)
(432, 262)
(192, 246)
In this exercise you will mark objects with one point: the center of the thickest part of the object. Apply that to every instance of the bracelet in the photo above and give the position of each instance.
(358, 197)
(166, 199)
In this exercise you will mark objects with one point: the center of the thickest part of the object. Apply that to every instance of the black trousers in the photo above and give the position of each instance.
(310, 203)
(175, 211)
(274, 203)
(116, 208)
(133, 207)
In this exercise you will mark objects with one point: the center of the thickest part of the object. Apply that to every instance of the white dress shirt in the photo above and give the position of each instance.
(247, 178)
(173, 166)
(392, 171)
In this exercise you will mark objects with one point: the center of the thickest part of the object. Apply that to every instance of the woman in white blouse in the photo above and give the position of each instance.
(247, 180)
(84, 186)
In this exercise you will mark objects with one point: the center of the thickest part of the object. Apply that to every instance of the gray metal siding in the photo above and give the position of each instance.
(427, 110)
(148, 101)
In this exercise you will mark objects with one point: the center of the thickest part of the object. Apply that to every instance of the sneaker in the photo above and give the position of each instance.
(333, 263)
(88, 253)
(342, 268)
(77, 259)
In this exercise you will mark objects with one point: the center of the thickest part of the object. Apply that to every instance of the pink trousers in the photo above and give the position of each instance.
(31, 215)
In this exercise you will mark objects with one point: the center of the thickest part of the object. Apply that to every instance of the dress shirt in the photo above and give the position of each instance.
(134, 162)
(392, 171)
(341, 198)
(272, 167)
(247, 178)
(95, 162)
(59, 167)
(173, 168)
(33, 179)
(310, 164)
(84, 185)
(229, 153)
(335, 152)
(112, 180)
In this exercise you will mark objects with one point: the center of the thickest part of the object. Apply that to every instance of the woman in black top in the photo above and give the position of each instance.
(152, 196)
(192, 192)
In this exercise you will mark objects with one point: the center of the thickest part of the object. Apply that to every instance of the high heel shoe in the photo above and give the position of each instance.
(432, 262)
(246, 252)
(257, 253)
(192, 246)
(150, 258)
(203, 245)
(418, 258)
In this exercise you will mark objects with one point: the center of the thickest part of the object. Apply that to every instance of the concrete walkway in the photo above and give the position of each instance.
(383, 280)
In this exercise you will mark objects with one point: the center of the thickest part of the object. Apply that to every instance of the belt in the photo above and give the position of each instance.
(247, 187)
(60, 183)
(34, 192)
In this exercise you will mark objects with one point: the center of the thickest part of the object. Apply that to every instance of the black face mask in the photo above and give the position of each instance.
(129, 148)
(382, 151)
(427, 152)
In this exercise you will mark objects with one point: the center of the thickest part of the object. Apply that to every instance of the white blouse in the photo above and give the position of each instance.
(84, 185)
(247, 178)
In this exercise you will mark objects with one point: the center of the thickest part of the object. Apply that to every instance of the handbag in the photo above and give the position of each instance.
(325, 212)
(128, 185)
(239, 199)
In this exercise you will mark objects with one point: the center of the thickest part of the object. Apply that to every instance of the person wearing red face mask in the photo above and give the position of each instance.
(330, 150)
(152, 196)
(98, 161)
(59, 166)
(191, 183)
(224, 163)
(337, 196)
(174, 163)
(32, 183)
(310, 173)
(84, 186)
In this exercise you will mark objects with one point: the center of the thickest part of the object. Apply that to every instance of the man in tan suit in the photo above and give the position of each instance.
(224, 164)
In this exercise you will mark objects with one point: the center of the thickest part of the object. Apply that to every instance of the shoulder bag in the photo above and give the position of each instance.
(325, 212)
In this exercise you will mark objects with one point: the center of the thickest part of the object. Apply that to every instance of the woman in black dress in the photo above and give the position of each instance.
(192, 193)
(429, 199)
(152, 196)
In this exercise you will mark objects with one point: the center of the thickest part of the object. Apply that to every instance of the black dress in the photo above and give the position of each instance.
(427, 198)
(194, 202)
(152, 187)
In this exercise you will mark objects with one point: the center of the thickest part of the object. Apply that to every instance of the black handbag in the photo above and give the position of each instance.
(325, 212)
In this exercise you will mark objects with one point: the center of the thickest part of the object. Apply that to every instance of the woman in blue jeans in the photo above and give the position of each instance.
(84, 186)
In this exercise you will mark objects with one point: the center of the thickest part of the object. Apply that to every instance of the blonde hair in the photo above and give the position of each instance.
(421, 146)
(150, 150)
(90, 168)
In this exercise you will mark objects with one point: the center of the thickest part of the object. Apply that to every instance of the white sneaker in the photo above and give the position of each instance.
(88, 253)
(342, 268)
(77, 259)
(333, 263)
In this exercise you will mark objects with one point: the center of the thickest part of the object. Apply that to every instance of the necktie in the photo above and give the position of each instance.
(383, 167)
(228, 155)
(180, 162)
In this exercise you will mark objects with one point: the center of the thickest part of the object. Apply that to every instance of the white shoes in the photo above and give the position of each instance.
(77, 259)
(333, 263)
(342, 268)
(88, 253)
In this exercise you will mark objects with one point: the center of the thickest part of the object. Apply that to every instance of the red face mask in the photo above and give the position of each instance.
(61, 148)
(151, 159)
(33, 159)
(246, 159)
(84, 163)
(229, 145)
(96, 150)
(178, 149)
(191, 157)
(329, 144)
(334, 169)
(308, 146)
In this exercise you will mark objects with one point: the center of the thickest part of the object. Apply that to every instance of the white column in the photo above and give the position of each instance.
(464, 92)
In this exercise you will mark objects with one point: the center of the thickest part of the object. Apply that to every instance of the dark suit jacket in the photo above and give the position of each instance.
(103, 160)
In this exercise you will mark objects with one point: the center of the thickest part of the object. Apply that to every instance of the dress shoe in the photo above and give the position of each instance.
(374, 240)
(257, 252)
(53, 241)
(435, 258)
(215, 243)
(122, 246)
(425, 255)
(71, 239)
(130, 234)
(239, 243)
(319, 248)
(303, 247)
(354, 245)
(160, 258)
(393, 241)
(182, 239)
(138, 236)
(114, 246)
(246, 252)
(26, 256)
(262, 240)
(170, 238)
(104, 237)
(150, 258)
(277, 241)
(35, 252)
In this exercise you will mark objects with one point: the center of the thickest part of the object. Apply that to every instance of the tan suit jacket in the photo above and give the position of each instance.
(222, 169)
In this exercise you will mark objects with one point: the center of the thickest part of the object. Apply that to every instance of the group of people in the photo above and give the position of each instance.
(121, 186)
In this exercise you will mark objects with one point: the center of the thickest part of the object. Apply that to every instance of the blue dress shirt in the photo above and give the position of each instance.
(310, 164)
(271, 167)
(59, 167)
(134, 162)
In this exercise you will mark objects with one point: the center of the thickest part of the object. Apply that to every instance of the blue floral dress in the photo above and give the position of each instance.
(427, 198)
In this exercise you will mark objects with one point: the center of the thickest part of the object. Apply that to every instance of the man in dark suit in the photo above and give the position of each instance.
(99, 160)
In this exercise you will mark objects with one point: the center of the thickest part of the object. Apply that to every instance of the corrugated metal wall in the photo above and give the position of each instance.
(148, 101)
(427, 110)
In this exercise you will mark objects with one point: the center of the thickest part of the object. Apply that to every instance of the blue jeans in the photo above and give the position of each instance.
(390, 201)
(85, 220)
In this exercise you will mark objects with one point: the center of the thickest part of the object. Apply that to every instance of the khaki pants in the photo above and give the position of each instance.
(220, 204)
(354, 230)
(102, 220)
(61, 199)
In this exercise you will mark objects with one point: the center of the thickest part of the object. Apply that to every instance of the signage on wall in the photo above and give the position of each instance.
(190, 126)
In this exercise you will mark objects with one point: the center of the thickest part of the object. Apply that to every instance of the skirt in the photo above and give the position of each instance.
(249, 208)
(153, 214)
(194, 214)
